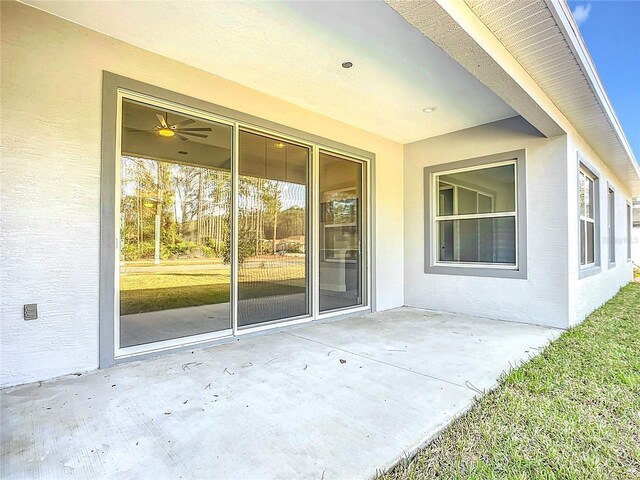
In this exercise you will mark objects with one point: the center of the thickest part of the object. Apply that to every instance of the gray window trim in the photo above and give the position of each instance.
(111, 83)
(611, 220)
(629, 213)
(430, 266)
(596, 268)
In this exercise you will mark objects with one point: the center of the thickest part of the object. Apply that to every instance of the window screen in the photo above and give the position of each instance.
(476, 215)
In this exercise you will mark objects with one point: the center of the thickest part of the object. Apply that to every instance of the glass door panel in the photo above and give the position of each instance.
(272, 230)
(175, 211)
(341, 231)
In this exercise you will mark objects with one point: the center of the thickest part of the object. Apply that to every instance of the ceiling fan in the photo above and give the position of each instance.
(169, 130)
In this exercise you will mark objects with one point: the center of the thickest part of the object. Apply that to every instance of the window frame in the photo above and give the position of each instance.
(474, 216)
(629, 229)
(432, 264)
(592, 268)
(611, 224)
(114, 89)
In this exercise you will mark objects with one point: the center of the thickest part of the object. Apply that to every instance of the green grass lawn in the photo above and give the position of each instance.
(573, 412)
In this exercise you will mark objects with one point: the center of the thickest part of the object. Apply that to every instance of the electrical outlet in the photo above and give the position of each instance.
(31, 311)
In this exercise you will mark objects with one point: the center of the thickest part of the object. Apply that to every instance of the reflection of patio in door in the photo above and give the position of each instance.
(179, 299)
(148, 327)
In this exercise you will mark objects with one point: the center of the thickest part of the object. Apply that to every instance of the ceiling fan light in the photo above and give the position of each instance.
(166, 132)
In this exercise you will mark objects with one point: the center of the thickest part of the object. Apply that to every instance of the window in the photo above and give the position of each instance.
(588, 184)
(629, 230)
(476, 217)
(476, 221)
(611, 217)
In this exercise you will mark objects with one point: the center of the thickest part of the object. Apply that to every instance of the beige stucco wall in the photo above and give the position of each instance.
(50, 181)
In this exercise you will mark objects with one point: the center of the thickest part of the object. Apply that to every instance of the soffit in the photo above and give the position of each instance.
(544, 39)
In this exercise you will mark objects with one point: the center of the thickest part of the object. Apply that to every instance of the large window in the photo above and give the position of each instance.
(477, 217)
(476, 221)
(588, 225)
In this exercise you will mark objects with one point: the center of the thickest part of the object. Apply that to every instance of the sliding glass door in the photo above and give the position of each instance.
(341, 232)
(175, 211)
(273, 222)
(224, 228)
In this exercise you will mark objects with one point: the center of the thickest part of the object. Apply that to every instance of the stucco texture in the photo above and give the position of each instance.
(50, 181)
(541, 298)
(588, 293)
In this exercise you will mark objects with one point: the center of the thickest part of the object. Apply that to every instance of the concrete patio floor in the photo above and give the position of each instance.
(342, 399)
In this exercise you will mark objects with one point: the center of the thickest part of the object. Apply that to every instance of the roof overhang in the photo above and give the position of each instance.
(598, 122)
(530, 53)
(466, 39)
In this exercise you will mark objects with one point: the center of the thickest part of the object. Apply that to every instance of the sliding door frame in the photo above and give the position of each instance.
(115, 89)
(365, 235)
(310, 207)
(134, 350)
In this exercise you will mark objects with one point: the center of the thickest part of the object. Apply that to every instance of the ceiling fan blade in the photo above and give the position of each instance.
(181, 137)
(133, 130)
(162, 121)
(188, 121)
(193, 129)
(194, 134)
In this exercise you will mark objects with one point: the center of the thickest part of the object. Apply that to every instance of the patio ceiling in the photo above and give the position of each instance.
(294, 51)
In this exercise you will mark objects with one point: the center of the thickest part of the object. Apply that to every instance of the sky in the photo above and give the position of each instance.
(611, 30)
